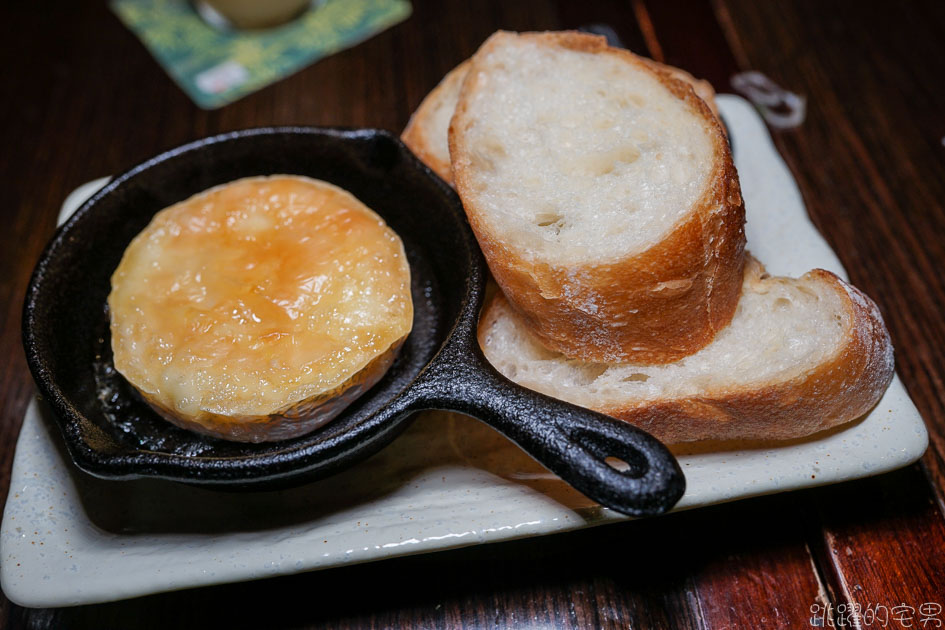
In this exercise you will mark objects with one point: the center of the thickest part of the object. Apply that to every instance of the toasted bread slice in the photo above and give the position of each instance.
(603, 195)
(800, 356)
(427, 132)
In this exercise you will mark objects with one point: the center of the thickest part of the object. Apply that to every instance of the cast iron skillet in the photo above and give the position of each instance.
(110, 432)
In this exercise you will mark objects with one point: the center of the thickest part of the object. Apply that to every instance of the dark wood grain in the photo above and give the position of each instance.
(880, 544)
(870, 161)
(81, 98)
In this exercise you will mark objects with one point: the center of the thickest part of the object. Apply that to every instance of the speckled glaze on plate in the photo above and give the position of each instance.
(448, 481)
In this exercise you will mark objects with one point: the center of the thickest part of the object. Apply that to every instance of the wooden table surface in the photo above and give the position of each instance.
(82, 99)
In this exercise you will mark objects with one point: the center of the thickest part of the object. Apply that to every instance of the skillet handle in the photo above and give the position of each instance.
(570, 441)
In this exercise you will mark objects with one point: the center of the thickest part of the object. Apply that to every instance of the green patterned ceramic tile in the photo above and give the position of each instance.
(216, 67)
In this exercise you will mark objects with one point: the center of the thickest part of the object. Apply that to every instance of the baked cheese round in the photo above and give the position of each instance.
(259, 309)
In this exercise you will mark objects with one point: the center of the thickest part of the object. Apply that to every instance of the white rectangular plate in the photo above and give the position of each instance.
(448, 481)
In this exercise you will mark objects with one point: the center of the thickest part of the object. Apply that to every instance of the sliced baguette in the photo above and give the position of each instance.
(427, 132)
(603, 195)
(800, 356)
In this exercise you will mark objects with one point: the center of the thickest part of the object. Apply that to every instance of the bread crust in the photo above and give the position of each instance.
(838, 390)
(701, 87)
(653, 306)
(418, 134)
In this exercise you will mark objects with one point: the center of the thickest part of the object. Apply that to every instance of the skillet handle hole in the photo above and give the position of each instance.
(620, 456)
(616, 463)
